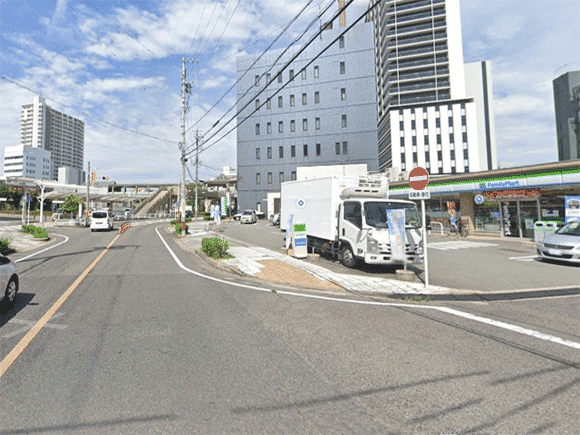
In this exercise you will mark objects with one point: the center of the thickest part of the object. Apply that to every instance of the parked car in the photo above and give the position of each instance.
(260, 214)
(237, 216)
(102, 220)
(8, 281)
(275, 219)
(563, 245)
(248, 217)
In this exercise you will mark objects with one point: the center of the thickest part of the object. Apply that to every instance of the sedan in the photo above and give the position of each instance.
(8, 281)
(563, 245)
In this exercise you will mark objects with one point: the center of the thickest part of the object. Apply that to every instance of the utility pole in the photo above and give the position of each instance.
(196, 168)
(88, 185)
(182, 198)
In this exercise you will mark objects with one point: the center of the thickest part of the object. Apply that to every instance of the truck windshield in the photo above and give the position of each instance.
(376, 214)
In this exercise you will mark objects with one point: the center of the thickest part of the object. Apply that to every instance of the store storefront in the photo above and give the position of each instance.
(505, 202)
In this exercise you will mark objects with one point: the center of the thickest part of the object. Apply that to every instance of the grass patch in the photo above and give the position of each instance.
(5, 244)
(419, 299)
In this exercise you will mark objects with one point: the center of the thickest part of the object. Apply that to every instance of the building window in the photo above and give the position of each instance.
(317, 123)
(343, 94)
(305, 149)
(317, 149)
(257, 104)
(292, 100)
(341, 42)
(279, 77)
(258, 178)
(465, 137)
(293, 175)
(337, 148)
(315, 71)
(257, 129)
(343, 121)
(268, 103)
(293, 151)
(345, 147)
(281, 127)
(316, 97)
(281, 177)
(305, 124)
(257, 80)
(292, 125)
(269, 128)
(342, 67)
(269, 152)
(451, 138)
(257, 153)
(280, 102)
(281, 152)
(303, 74)
(291, 74)
(268, 78)
(269, 178)
(304, 99)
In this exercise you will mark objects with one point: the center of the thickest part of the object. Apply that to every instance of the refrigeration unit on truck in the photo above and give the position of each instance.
(348, 217)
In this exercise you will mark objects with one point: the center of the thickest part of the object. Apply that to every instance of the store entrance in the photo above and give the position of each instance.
(519, 218)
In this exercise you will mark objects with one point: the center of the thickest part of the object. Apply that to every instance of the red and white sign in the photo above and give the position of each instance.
(418, 178)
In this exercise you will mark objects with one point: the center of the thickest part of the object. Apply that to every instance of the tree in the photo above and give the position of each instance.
(71, 203)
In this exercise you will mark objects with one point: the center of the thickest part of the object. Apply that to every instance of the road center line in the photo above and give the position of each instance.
(498, 324)
(27, 339)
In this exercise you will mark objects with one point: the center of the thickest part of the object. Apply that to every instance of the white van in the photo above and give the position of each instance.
(101, 220)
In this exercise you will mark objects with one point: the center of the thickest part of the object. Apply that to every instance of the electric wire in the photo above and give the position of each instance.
(216, 45)
(349, 2)
(84, 113)
(197, 28)
(245, 72)
(213, 28)
(206, 27)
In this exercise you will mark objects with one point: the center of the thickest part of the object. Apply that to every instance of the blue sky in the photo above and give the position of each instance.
(120, 62)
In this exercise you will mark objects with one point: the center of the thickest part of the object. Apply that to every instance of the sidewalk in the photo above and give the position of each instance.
(277, 267)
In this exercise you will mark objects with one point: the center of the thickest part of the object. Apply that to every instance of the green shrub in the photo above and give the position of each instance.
(173, 222)
(28, 229)
(5, 244)
(207, 218)
(178, 229)
(214, 247)
(39, 233)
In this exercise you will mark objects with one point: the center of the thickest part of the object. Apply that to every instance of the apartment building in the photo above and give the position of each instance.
(63, 135)
(326, 115)
(567, 110)
(428, 113)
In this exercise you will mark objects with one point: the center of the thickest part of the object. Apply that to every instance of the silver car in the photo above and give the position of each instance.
(563, 245)
(8, 281)
(248, 217)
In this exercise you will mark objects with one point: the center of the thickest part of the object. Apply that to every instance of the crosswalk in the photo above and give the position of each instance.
(446, 246)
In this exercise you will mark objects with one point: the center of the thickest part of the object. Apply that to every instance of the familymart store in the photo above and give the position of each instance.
(504, 202)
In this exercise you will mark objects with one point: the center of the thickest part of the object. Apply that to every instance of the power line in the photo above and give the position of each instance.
(224, 31)
(86, 114)
(245, 72)
(197, 28)
(369, 9)
(213, 28)
(206, 27)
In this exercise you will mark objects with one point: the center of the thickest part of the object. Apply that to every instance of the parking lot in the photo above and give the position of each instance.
(463, 263)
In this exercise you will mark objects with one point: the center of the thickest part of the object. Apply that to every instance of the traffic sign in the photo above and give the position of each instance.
(420, 194)
(418, 178)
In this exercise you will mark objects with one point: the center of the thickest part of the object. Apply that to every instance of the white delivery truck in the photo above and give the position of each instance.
(347, 217)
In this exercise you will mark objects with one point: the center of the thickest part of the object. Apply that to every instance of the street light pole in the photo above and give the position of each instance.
(182, 145)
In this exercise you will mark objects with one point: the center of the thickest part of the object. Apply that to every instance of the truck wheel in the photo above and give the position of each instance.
(348, 257)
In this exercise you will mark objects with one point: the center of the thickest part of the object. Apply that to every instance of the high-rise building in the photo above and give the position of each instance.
(43, 127)
(428, 113)
(567, 109)
(326, 115)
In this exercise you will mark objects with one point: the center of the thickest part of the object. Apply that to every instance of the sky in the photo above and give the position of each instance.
(117, 65)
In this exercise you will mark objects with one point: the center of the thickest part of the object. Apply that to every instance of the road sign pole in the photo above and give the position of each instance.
(425, 244)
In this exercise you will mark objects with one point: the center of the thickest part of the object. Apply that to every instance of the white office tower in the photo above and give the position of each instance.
(426, 117)
(27, 161)
(43, 127)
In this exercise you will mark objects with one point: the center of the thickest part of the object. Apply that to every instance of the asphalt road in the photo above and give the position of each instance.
(148, 347)
(456, 262)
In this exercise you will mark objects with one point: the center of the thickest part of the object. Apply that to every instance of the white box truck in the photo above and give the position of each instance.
(347, 217)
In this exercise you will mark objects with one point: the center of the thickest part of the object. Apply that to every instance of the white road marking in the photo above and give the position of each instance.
(524, 258)
(46, 249)
(29, 324)
(445, 246)
(496, 323)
